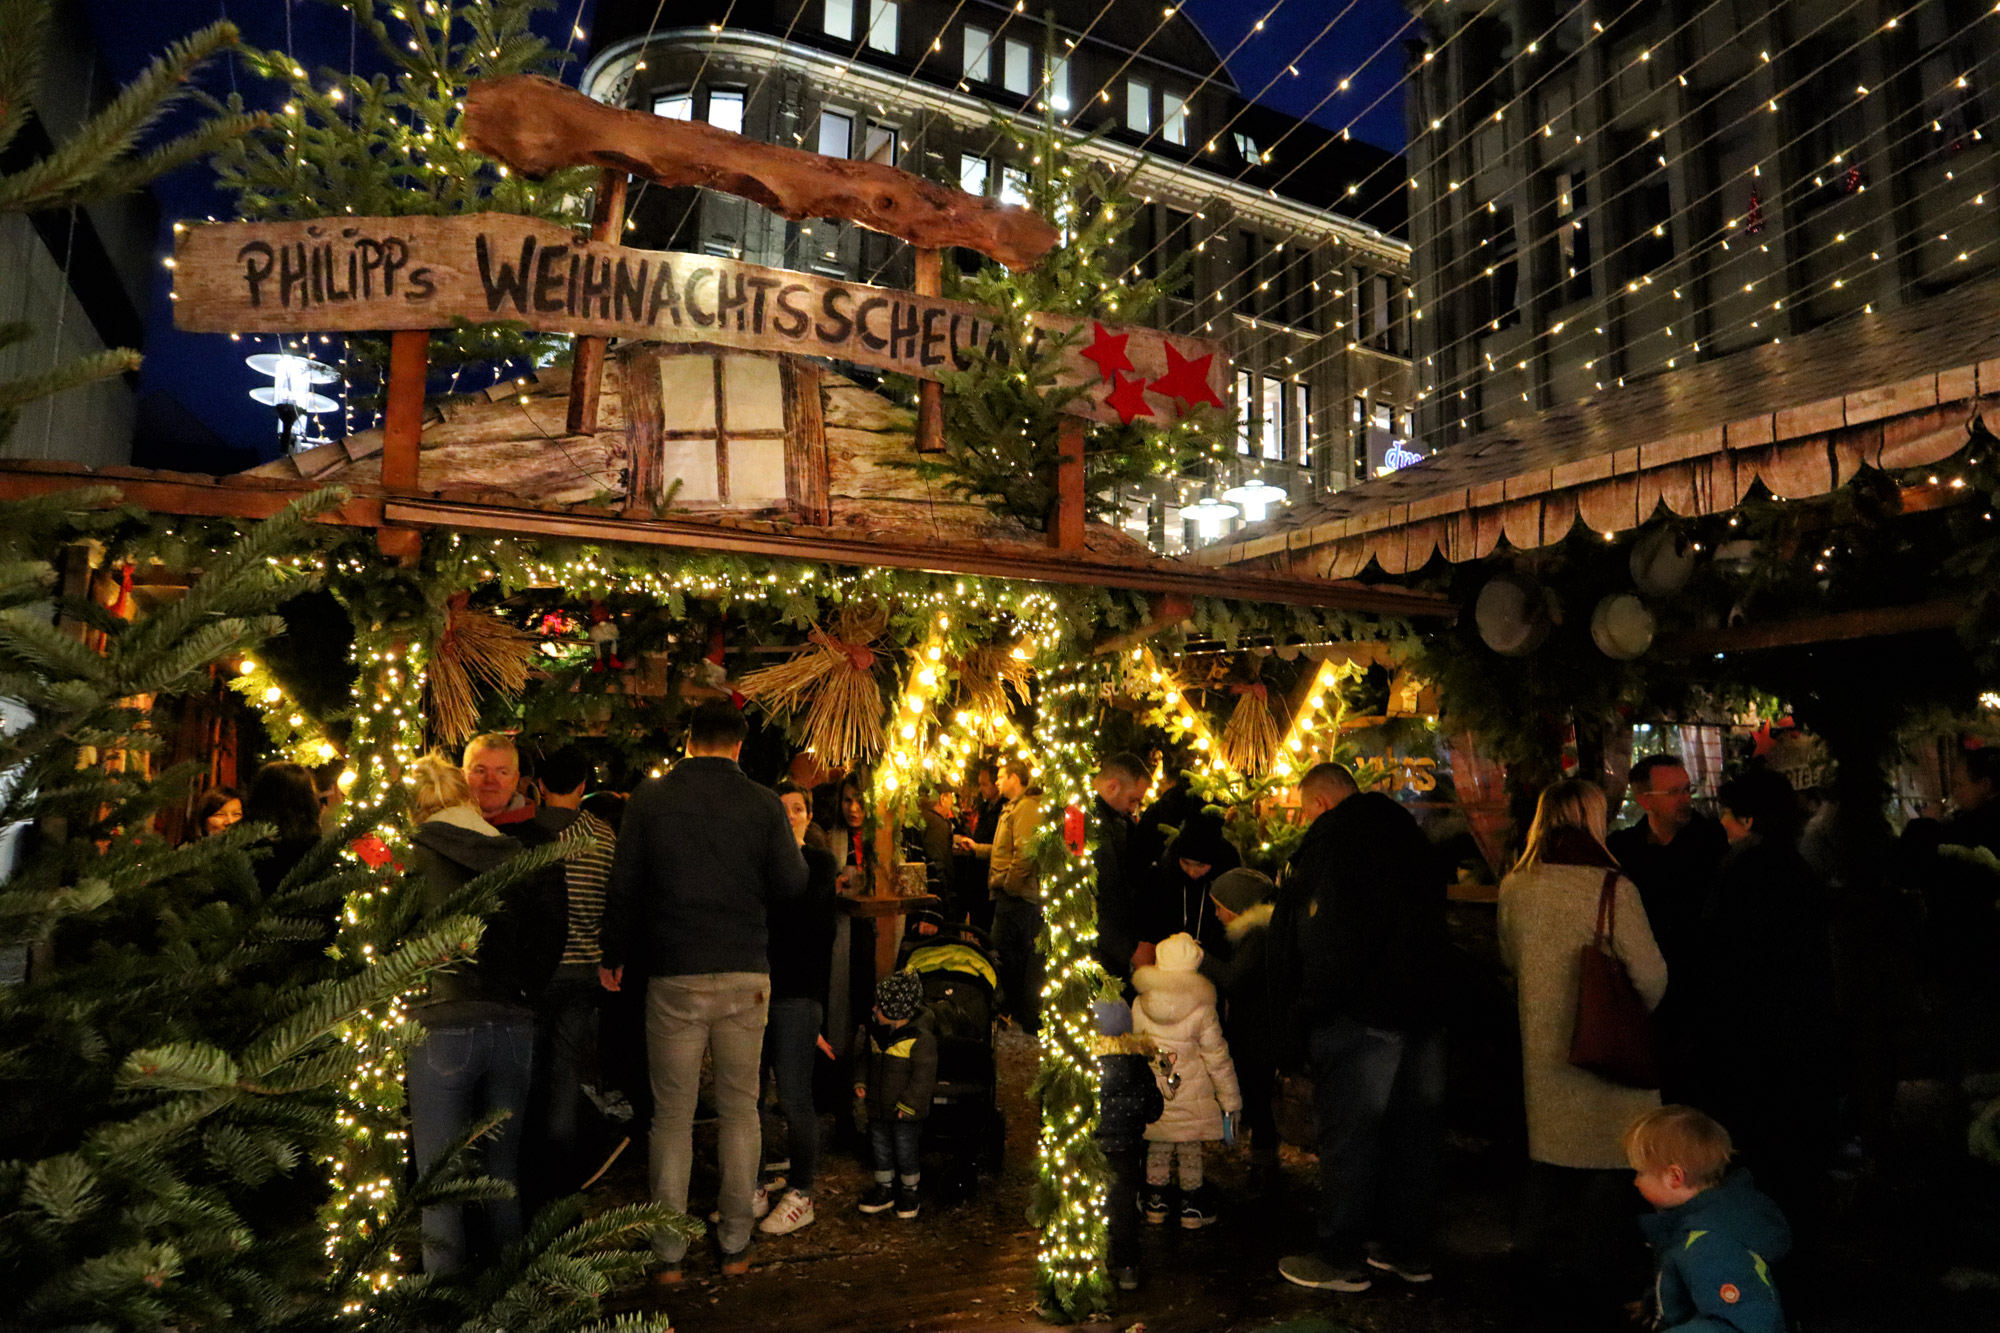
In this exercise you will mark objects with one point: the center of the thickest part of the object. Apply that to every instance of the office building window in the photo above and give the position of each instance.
(883, 23)
(1138, 106)
(1178, 250)
(1572, 242)
(675, 106)
(836, 134)
(1173, 118)
(1495, 272)
(1246, 411)
(978, 55)
(838, 21)
(1013, 186)
(1272, 419)
(1246, 147)
(1298, 423)
(880, 145)
(972, 173)
(1059, 84)
(1014, 67)
(725, 110)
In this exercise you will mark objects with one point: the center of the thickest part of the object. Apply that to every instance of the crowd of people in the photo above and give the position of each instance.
(706, 912)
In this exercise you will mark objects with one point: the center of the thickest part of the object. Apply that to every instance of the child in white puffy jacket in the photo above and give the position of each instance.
(1176, 1007)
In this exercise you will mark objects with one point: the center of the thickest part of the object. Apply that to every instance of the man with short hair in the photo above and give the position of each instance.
(702, 854)
(566, 1018)
(492, 765)
(1017, 895)
(1672, 855)
(1358, 954)
(1120, 784)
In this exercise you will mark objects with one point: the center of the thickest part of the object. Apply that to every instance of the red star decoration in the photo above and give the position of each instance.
(1108, 351)
(1128, 399)
(1186, 380)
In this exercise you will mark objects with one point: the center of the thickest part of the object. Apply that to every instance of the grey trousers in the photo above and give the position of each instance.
(721, 1013)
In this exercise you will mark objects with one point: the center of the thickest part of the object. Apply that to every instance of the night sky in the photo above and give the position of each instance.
(205, 372)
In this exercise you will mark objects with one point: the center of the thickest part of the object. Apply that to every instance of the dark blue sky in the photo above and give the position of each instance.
(206, 371)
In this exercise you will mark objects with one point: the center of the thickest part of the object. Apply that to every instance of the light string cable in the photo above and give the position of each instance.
(1345, 131)
(716, 32)
(1604, 209)
(1303, 258)
(1041, 91)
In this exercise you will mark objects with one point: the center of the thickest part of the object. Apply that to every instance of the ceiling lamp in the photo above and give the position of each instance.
(1210, 513)
(1256, 496)
(291, 394)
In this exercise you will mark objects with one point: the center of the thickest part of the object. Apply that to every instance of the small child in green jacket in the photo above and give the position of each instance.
(895, 1072)
(1714, 1236)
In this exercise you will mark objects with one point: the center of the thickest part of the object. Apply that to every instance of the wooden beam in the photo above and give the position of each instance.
(181, 493)
(403, 418)
(930, 394)
(1025, 562)
(586, 371)
(1066, 523)
(536, 125)
(1871, 623)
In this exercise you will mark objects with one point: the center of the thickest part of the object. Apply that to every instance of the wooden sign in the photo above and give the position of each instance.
(378, 274)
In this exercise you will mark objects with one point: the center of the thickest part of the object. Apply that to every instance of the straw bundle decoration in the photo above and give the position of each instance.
(475, 647)
(835, 685)
(1250, 741)
(985, 676)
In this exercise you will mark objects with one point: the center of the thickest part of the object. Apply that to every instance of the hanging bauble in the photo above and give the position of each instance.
(1622, 627)
(1662, 562)
(1514, 613)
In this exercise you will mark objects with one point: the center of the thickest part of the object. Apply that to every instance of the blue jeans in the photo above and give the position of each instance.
(566, 1035)
(896, 1144)
(460, 1075)
(1378, 1113)
(791, 1040)
(1017, 926)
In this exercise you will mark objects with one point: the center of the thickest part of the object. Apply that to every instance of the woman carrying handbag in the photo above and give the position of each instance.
(1562, 898)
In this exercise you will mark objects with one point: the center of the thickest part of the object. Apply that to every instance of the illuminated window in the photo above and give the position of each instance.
(1014, 72)
(978, 55)
(1013, 186)
(1138, 106)
(675, 106)
(884, 24)
(836, 134)
(972, 173)
(839, 19)
(725, 111)
(1173, 118)
(1059, 84)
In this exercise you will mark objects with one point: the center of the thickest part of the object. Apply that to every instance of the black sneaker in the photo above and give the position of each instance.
(907, 1202)
(1153, 1203)
(1196, 1211)
(880, 1198)
(1408, 1267)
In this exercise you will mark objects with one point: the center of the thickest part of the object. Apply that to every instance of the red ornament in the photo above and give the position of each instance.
(1128, 399)
(1073, 828)
(1754, 221)
(1108, 351)
(1186, 380)
(1730, 1295)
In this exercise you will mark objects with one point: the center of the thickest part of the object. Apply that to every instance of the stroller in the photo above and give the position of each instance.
(955, 962)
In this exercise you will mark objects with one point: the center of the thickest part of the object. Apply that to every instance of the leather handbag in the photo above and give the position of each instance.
(1614, 1029)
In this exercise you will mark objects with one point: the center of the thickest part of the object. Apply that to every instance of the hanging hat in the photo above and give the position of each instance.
(1177, 953)
(1241, 889)
(899, 996)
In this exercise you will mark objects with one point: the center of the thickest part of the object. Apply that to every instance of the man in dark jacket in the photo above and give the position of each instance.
(702, 853)
(1358, 952)
(1120, 785)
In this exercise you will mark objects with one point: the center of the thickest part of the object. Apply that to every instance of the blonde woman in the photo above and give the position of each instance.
(478, 1017)
(1576, 1202)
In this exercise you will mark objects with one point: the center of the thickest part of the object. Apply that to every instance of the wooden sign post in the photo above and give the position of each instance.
(586, 373)
(420, 273)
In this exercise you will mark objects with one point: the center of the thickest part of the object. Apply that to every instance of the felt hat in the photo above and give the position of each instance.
(899, 996)
(1241, 889)
(1177, 953)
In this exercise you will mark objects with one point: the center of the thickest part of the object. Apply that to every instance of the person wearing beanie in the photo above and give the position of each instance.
(895, 1072)
(1128, 1100)
(1178, 899)
(1243, 900)
(1176, 1008)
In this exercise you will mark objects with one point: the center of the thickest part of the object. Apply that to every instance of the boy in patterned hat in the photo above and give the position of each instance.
(895, 1073)
(1714, 1236)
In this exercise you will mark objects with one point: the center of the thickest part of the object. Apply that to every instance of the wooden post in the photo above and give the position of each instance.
(1066, 523)
(887, 829)
(403, 421)
(586, 370)
(930, 394)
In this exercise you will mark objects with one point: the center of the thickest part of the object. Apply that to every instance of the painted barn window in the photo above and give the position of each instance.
(722, 430)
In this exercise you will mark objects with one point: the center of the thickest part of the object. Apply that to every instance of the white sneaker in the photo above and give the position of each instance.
(794, 1210)
(760, 1204)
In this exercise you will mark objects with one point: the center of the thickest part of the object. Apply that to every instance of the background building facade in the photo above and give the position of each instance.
(1611, 191)
(1311, 301)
